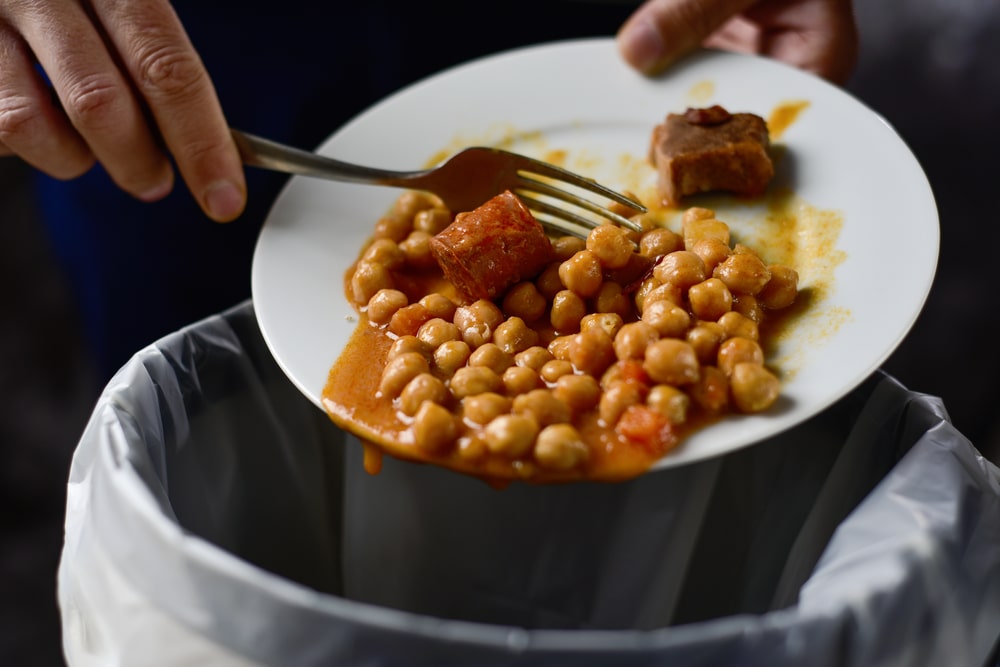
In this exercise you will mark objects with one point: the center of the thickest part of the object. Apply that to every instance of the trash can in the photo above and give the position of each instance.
(215, 516)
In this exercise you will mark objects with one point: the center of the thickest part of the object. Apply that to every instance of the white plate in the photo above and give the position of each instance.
(840, 157)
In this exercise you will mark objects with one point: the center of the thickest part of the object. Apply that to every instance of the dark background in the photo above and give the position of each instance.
(930, 67)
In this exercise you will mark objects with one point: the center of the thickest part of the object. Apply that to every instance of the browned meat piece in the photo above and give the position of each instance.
(710, 149)
(485, 251)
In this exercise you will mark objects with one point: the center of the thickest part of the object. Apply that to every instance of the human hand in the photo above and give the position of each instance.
(129, 88)
(816, 35)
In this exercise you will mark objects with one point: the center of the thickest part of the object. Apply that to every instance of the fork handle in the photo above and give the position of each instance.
(266, 154)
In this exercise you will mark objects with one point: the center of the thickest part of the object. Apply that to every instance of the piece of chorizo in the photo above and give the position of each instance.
(488, 249)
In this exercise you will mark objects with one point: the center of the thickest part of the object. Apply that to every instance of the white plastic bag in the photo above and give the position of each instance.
(215, 516)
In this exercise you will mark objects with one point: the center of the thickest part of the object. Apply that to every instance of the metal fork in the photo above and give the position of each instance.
(463, 182)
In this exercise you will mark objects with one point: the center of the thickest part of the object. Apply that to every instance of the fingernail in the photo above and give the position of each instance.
(642, 45)
(223, 200)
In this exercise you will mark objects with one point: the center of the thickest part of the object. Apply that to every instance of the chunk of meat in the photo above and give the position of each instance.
(488, 249)
(711, 149)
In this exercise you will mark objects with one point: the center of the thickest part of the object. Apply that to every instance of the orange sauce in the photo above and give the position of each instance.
(352, 400)
(783, 116)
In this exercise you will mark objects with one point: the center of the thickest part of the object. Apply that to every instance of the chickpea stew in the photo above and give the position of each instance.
(593, 366)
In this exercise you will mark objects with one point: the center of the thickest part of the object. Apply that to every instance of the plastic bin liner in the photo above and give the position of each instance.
(215, 516)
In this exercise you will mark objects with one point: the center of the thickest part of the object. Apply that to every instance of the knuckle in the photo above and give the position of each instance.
(198, 151)
(170, 70)
(20, 120)
(92, 101)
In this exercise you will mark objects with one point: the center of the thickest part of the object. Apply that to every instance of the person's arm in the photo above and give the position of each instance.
(816, 35)
(129, 89)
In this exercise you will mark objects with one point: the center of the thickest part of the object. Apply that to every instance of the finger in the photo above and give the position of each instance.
(174, 84)
(96, 98)
(816, 35)
(31, 126)
(661, 31)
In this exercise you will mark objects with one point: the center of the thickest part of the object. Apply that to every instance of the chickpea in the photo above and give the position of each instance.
(525, 301)
(616, 399)
(669, 319)
(753, 387)
(710, 299)
(659, 242)
(582, 274)
(682, 268)
(436, 331)
(609, 323)
(671, 361)
(513, 336)
(472, 380)
(560, 447)
(610, 244)
(548, 282)
(711, 391)
(592, 352)
(534, 357)
(781, 290)
(491, 356)
(434, 428)
(662, 292)
(450, 356)
(670, 402)
(407, 320)
(384, 304)
(417, 248)
(511, 435)
(565, 247)
(483, 408)
(385, 252)
(705, 228)
(633, 339)
(398, 372)
(543, 405)
(411, 202)
(705, 338)
(559, 347)
(472, 448)
(611, 299)
(477, 322)
(735, 324)
(579, 392)
(738, 350)
(555, 369)
(712, 252)
(405, 344)
(749, 307)
(393, 227)
(520, 380)
(696, 213)
(432, 220)
(743, 273)
(567, 311)
(369, 278)
(438, 305)
(424, 387)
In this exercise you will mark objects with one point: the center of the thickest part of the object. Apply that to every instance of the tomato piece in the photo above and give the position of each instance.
(632, 371)
(648, 428)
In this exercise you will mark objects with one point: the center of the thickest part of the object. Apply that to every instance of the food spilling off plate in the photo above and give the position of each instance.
(491, 348)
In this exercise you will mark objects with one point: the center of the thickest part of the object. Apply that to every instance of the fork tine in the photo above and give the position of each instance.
(565, 221)
(531, 165)
(540, 187)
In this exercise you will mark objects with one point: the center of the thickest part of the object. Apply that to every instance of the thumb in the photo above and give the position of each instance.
(661, 31)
